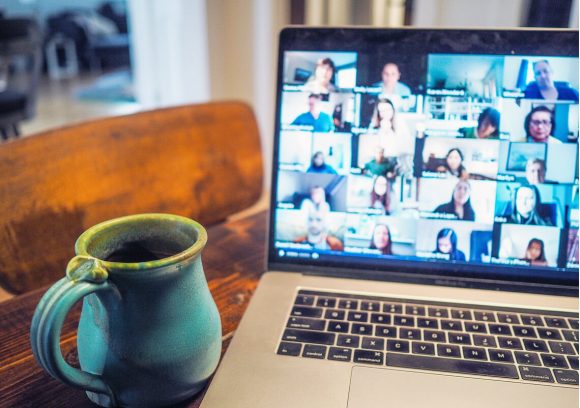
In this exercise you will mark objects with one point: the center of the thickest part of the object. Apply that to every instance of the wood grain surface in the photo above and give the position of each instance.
(233, 261)
(200, 161)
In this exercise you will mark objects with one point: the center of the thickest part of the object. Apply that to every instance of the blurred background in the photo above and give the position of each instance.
(63, 62)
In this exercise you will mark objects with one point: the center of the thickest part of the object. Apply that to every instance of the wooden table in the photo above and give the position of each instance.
(233, 262)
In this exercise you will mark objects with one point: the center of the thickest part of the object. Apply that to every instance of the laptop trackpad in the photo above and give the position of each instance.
(386, 388)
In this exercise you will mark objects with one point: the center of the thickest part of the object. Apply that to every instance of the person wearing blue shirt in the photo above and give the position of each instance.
(544, 87)
(318, 165)
(320, 121)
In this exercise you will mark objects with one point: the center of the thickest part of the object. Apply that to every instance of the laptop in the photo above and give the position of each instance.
(423, 240)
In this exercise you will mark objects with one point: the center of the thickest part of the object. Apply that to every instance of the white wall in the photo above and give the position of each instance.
(468, 13)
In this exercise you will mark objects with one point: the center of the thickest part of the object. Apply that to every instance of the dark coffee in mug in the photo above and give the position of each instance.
(143, 251)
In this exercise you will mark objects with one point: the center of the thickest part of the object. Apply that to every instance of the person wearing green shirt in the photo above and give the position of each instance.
(380, 165)
(487, 126)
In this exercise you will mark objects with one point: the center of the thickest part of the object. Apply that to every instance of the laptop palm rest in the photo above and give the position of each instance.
(386, 388)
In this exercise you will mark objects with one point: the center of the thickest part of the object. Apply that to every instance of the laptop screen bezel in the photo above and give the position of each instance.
(481, 276)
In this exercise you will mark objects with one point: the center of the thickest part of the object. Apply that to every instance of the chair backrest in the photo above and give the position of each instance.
(201, 161)
(20, 61)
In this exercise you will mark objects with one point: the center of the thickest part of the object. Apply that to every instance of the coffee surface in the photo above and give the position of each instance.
(143, 251)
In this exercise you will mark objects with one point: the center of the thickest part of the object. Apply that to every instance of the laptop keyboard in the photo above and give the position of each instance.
(512, 343)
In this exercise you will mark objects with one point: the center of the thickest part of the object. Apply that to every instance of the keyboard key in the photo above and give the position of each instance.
(485, 341)
(510, 318)
(502, 329)
(561, 347)
(326, 302)
(410, 334)
(573, 323)
(338, 326)
(358, 317)
(307, 336)
(289, 349)
(553, 360)
(527, 358)
(348, 304)
(438, 312)
(423, 348)
(370, 306)
(566, 376)
(345, 340)
(415, 310)
(360, 328)
(380, 318)
(369, 357)
(461, 314)
(475, 327)
(509, 343)
(386, 331)
(551, 334)
(570, 335)
(452, 365)
(536, 374)
(573, 361)
(312, 351)
(304, 300)
(373, 343)
(433, 335)
(474, 353)
(459, 338)
(400, 346)
(524, 331)
(535, 345)
(392, 308)
(447, 350)
(306, 323)
(532, 320)
(427, 323)
(303, 311)
(484, 316)
(557, 322)
(339, 354)
(451, 325)
(404, 321)
(334, 314)
(503, 356)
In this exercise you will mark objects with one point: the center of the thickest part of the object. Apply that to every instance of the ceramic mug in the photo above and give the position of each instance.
(149, 332)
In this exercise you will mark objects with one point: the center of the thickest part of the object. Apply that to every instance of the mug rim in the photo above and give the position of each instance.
(82, 243)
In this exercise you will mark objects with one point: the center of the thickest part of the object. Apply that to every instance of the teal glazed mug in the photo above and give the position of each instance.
(150, 332)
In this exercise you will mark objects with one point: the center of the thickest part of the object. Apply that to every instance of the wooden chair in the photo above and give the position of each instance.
(201, 161)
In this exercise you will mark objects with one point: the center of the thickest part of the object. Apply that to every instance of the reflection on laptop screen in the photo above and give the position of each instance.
(458, 158)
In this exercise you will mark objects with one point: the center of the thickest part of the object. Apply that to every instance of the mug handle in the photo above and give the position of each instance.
(84, 275)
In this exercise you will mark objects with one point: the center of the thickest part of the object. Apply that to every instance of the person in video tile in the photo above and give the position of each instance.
(317, 233)
(392, 86)
(535, 171)
(321, 81)
(381, 239)
(380, 165)
(535, 253)
(487, 126)
(544, 87)
(380, 194)
(317, 165)
(316, 202)
(393, 136)
(320, 121)
(454, 164)
(447, 244)
(460, 203)
(525, 207)
(539, 125)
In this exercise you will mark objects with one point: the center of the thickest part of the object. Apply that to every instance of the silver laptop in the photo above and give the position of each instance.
(423, 242)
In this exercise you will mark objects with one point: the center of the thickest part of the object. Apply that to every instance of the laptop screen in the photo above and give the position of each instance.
(447, 151)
